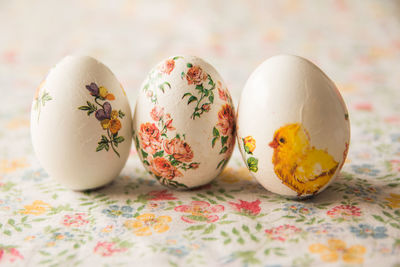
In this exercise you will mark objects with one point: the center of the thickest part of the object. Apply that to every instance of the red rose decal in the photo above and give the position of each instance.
(163, 168)
(179, 149)
(150, 137)
(195, 75)
(168, 66)
(226, 120)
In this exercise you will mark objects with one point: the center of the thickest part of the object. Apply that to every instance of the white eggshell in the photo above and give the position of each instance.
(75, 147)
(184, 122)
(293, 127)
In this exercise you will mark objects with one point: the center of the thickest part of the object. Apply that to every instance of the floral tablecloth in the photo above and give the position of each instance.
(233, 221)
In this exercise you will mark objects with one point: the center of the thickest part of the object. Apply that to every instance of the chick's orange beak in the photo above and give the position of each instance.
(274, 144)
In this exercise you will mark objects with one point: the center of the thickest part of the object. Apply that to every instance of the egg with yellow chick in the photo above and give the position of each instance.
(293, 127)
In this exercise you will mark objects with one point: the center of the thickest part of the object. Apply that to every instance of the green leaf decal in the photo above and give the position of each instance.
(224, 139)
(119, 139)
(144, 154)
(159, 154)
(223, 150)
(252, 164)
(185, 95)
(213, 141)
(191, 99)
(215, 132)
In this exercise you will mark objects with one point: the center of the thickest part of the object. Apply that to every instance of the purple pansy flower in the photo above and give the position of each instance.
(105, 112)
(93, 89)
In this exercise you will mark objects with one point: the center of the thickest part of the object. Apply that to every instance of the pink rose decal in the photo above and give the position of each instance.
(157, 113)
(168, 66)
(179, 149)
(206, 107)
(195, 75)
(222, 93)
(163, 168)
(168, 122)
(226, 120)
(150, 137)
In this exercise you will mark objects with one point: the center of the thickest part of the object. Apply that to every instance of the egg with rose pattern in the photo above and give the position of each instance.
(184, 122)
(293, 127)
(81, 124)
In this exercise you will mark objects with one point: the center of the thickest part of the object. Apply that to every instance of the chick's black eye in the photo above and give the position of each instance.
(282, 140)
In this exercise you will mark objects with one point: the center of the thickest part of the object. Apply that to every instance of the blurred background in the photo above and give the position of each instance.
(357, 43)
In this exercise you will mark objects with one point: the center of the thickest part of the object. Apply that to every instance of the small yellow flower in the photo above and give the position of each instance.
(394, 200)
(115, 126)
(51, 244)
(36, 208)
(249, 144)
(103, 91)
(105, 124)
(145, 223)
(114, 114)
(110, 97)
(336, 249)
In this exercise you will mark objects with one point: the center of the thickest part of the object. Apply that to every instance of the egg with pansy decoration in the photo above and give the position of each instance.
(81, 124)
(184, 122)
(293, 127)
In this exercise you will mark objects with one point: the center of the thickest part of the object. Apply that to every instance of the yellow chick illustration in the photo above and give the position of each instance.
(299, 165)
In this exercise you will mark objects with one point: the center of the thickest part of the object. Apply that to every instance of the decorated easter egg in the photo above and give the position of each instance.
(184, 122)
(293, 127)
(81, 123)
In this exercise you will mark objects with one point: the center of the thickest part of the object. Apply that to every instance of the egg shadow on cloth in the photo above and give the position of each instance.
(238, 185)
(128, 185)
(231, 186)
(350, 189)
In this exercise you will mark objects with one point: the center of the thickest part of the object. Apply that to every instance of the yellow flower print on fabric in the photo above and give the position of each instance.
(38, 207)
(8, 166)
(336, 249)
(394, 201)
(145, 224)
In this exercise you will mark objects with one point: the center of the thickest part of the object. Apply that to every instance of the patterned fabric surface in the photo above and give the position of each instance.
(233, 221)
